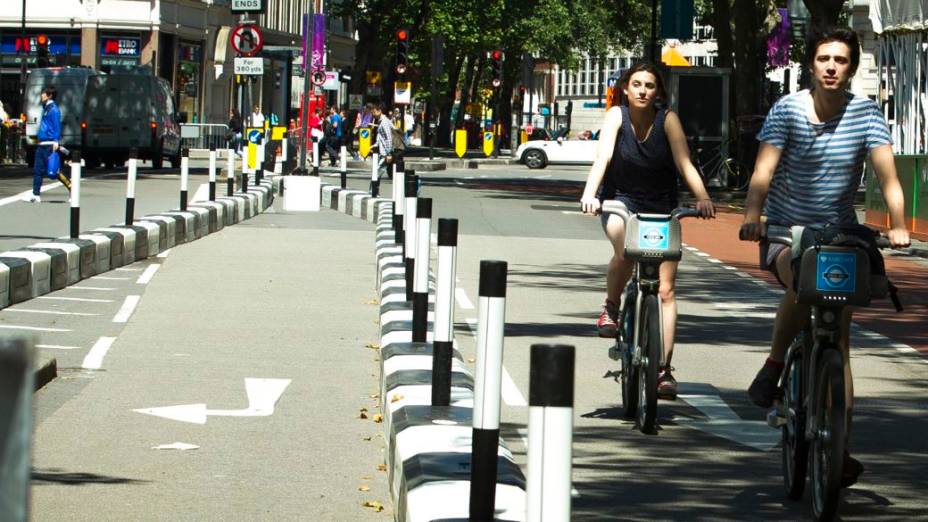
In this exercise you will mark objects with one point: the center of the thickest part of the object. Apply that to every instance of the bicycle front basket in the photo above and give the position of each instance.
(834, 275)
(653, 236)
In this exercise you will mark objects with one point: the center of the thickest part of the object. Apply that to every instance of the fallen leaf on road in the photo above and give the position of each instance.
(374, 301)
(363, 414)
(374, 396)
(367, 439)
(381, 467)
(396, 398)
(364, 488)
(376, 506)
(367, 478)
(378, 418)
(372, 346)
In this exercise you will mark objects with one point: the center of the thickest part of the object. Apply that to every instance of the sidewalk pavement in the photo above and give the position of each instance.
(719, 238)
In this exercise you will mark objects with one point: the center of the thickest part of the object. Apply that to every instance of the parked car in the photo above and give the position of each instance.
(130, 110)
(71, 84)
(539, 154)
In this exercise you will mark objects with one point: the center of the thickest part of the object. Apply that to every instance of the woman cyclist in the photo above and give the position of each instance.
(641, 150)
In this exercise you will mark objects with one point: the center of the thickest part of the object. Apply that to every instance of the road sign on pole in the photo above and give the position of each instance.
(247, 6)
(249, 66)
(246, 39)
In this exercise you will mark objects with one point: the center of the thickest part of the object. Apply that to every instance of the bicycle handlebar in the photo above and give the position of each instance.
(618, 208)
(784, 236)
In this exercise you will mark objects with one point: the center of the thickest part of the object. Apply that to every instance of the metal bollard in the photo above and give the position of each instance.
(550, 432)
(283, 157)
(375, 175)
(420, 287)
(184, 174)
(487, 389)
(315, 156)
(443, 323)
(343, 165)
(409, 230)
(230, 172)
(243, 185)
(76, 163)
(212, 173)
(399, 208)
(259, 167)
(16, 388)
(130, 186)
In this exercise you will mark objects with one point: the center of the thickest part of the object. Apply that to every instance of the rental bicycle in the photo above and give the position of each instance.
(811, 408)
(650, 239)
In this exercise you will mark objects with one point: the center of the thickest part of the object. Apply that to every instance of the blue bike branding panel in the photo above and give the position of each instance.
(836, 272)
(654, 235)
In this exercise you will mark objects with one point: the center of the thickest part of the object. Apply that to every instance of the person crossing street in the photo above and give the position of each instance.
(47, 159)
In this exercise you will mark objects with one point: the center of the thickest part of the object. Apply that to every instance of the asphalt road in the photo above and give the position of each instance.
(272, 299)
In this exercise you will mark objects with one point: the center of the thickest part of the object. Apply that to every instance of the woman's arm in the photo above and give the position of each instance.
(607, 138)
(681, 158)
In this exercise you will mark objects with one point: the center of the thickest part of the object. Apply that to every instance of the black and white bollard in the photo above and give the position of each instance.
(243, 185)
(315, 156)
(230, 173)
(443, 323)
(550, 432)
(17, 377)
(420, 286)
(212, 173)
(259, 167)
(399, 209)
(487, 389)
(130, 186)
(76, 194)
(279, 166)
(409, 230)
(343, 165)
(184, 174)
(375, 175)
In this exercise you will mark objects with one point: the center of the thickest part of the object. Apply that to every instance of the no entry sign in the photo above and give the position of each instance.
(246, 39)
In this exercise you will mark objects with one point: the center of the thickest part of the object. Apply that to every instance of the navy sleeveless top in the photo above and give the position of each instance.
(642, 172)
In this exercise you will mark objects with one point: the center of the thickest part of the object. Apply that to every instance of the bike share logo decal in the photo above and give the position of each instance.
(653, 236)
(836, 272)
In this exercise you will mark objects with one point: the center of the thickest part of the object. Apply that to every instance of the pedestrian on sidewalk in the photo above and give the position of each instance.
(812, 150)
(384, 138)
(333, 135)
(47, 160)
(236, 130)
(256, 119)
(642, 149)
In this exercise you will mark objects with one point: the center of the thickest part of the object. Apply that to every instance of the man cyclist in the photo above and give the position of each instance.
(812, 150)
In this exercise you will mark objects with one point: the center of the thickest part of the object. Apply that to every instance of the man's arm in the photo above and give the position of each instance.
(767, 159)
(885, 166)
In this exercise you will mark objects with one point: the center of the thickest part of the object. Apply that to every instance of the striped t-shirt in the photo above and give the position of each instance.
(820, 168)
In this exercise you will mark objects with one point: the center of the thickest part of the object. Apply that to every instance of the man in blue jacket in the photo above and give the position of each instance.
(46, 154)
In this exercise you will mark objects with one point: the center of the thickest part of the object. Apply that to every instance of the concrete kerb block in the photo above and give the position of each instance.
(141, 239)
(167, 229)
(251, 203)
(327, 195)
(238, 208)
(230, 211)
(217, 219)
(116, 247)
(128, 242)
(4, 285)
(59, 265)
(40, 269)
(72, 254)
(187, 224)
(357, 203)
(101, 251)
(19, 279)
(88, 249)
(246, 205)
(156, 235)
(204, 217)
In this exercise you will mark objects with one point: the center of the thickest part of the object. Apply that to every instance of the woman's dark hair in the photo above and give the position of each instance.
(825, 35)
(50, 91)
(642, 67)
(236, 115)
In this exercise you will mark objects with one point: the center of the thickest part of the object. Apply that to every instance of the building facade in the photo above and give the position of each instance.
(184, 41)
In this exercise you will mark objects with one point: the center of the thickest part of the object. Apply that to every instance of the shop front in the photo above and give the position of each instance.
(64, 48)
(188, 80)
(120, 51)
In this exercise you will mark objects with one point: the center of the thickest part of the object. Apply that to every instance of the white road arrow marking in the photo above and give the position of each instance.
(722, 421)
(262, 396)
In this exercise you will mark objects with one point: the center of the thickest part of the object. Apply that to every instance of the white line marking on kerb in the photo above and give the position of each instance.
(124, 269)
(49, 312)
(463, 301)
(32, 328)
(510, 392)
(27, 193)
(56, 347)
(148, 274)
(125, 311)
(164, 254)
(108, 278)
(94, 358)
(100, 288)
(79, 299)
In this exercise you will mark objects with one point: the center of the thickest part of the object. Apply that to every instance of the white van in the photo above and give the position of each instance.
(71, 84)
(130, 110)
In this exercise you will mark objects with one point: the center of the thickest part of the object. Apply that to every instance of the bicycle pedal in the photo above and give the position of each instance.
(775, 418)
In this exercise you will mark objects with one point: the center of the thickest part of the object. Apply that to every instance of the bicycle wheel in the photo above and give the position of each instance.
(827, 454)
(650, 346)
(739, 175)
(795, 446)
(627, 339)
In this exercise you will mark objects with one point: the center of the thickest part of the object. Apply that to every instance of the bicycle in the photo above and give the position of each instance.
(650, 239)
(718, 170)
(811, 408)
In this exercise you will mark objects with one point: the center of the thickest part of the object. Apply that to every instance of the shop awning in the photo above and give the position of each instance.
(899, 15)
(673, 58)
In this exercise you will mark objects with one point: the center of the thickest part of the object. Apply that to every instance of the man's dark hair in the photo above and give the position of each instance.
(50, 91)
(826, 35)
(378, 106)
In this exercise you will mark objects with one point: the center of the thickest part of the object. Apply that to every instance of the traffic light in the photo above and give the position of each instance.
(402, 51)
(41, 47)
(496, 61)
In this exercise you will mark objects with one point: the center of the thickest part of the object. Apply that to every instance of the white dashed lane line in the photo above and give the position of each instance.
(56, 347)
(128, 306)
(510, 392)
(78, 299)
(95, 288)
(94, 358)
(164, 254)
(32, 328)
(462, 299)
(146, 276)
(48, 312)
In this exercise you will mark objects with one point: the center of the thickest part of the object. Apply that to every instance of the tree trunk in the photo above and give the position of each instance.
(824, 13)
(465, 92)
(750, 53)
(721, 23)
(446, 102)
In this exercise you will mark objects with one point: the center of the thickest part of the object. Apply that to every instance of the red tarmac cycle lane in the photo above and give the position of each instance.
(719, 238)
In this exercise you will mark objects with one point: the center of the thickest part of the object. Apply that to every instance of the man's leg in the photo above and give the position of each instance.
(41, 165)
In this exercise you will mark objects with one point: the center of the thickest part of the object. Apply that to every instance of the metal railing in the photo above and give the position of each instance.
(11, 144)
(205, 135)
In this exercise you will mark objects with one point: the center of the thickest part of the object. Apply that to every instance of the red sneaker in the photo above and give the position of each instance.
(666, 384)
(606, 325)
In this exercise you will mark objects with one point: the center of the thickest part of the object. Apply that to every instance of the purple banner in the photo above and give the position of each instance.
(318, 42)
(778, 42)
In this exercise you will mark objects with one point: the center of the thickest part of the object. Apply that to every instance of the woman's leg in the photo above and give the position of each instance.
(620, 268)
(668, 306)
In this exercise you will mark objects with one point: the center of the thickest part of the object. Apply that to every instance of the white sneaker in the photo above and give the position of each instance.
(32, 198)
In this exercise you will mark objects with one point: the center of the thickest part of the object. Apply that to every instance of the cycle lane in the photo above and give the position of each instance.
(719, 238)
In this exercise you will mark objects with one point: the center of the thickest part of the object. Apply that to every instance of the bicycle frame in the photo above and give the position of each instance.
(825, 335)
(648, 285)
